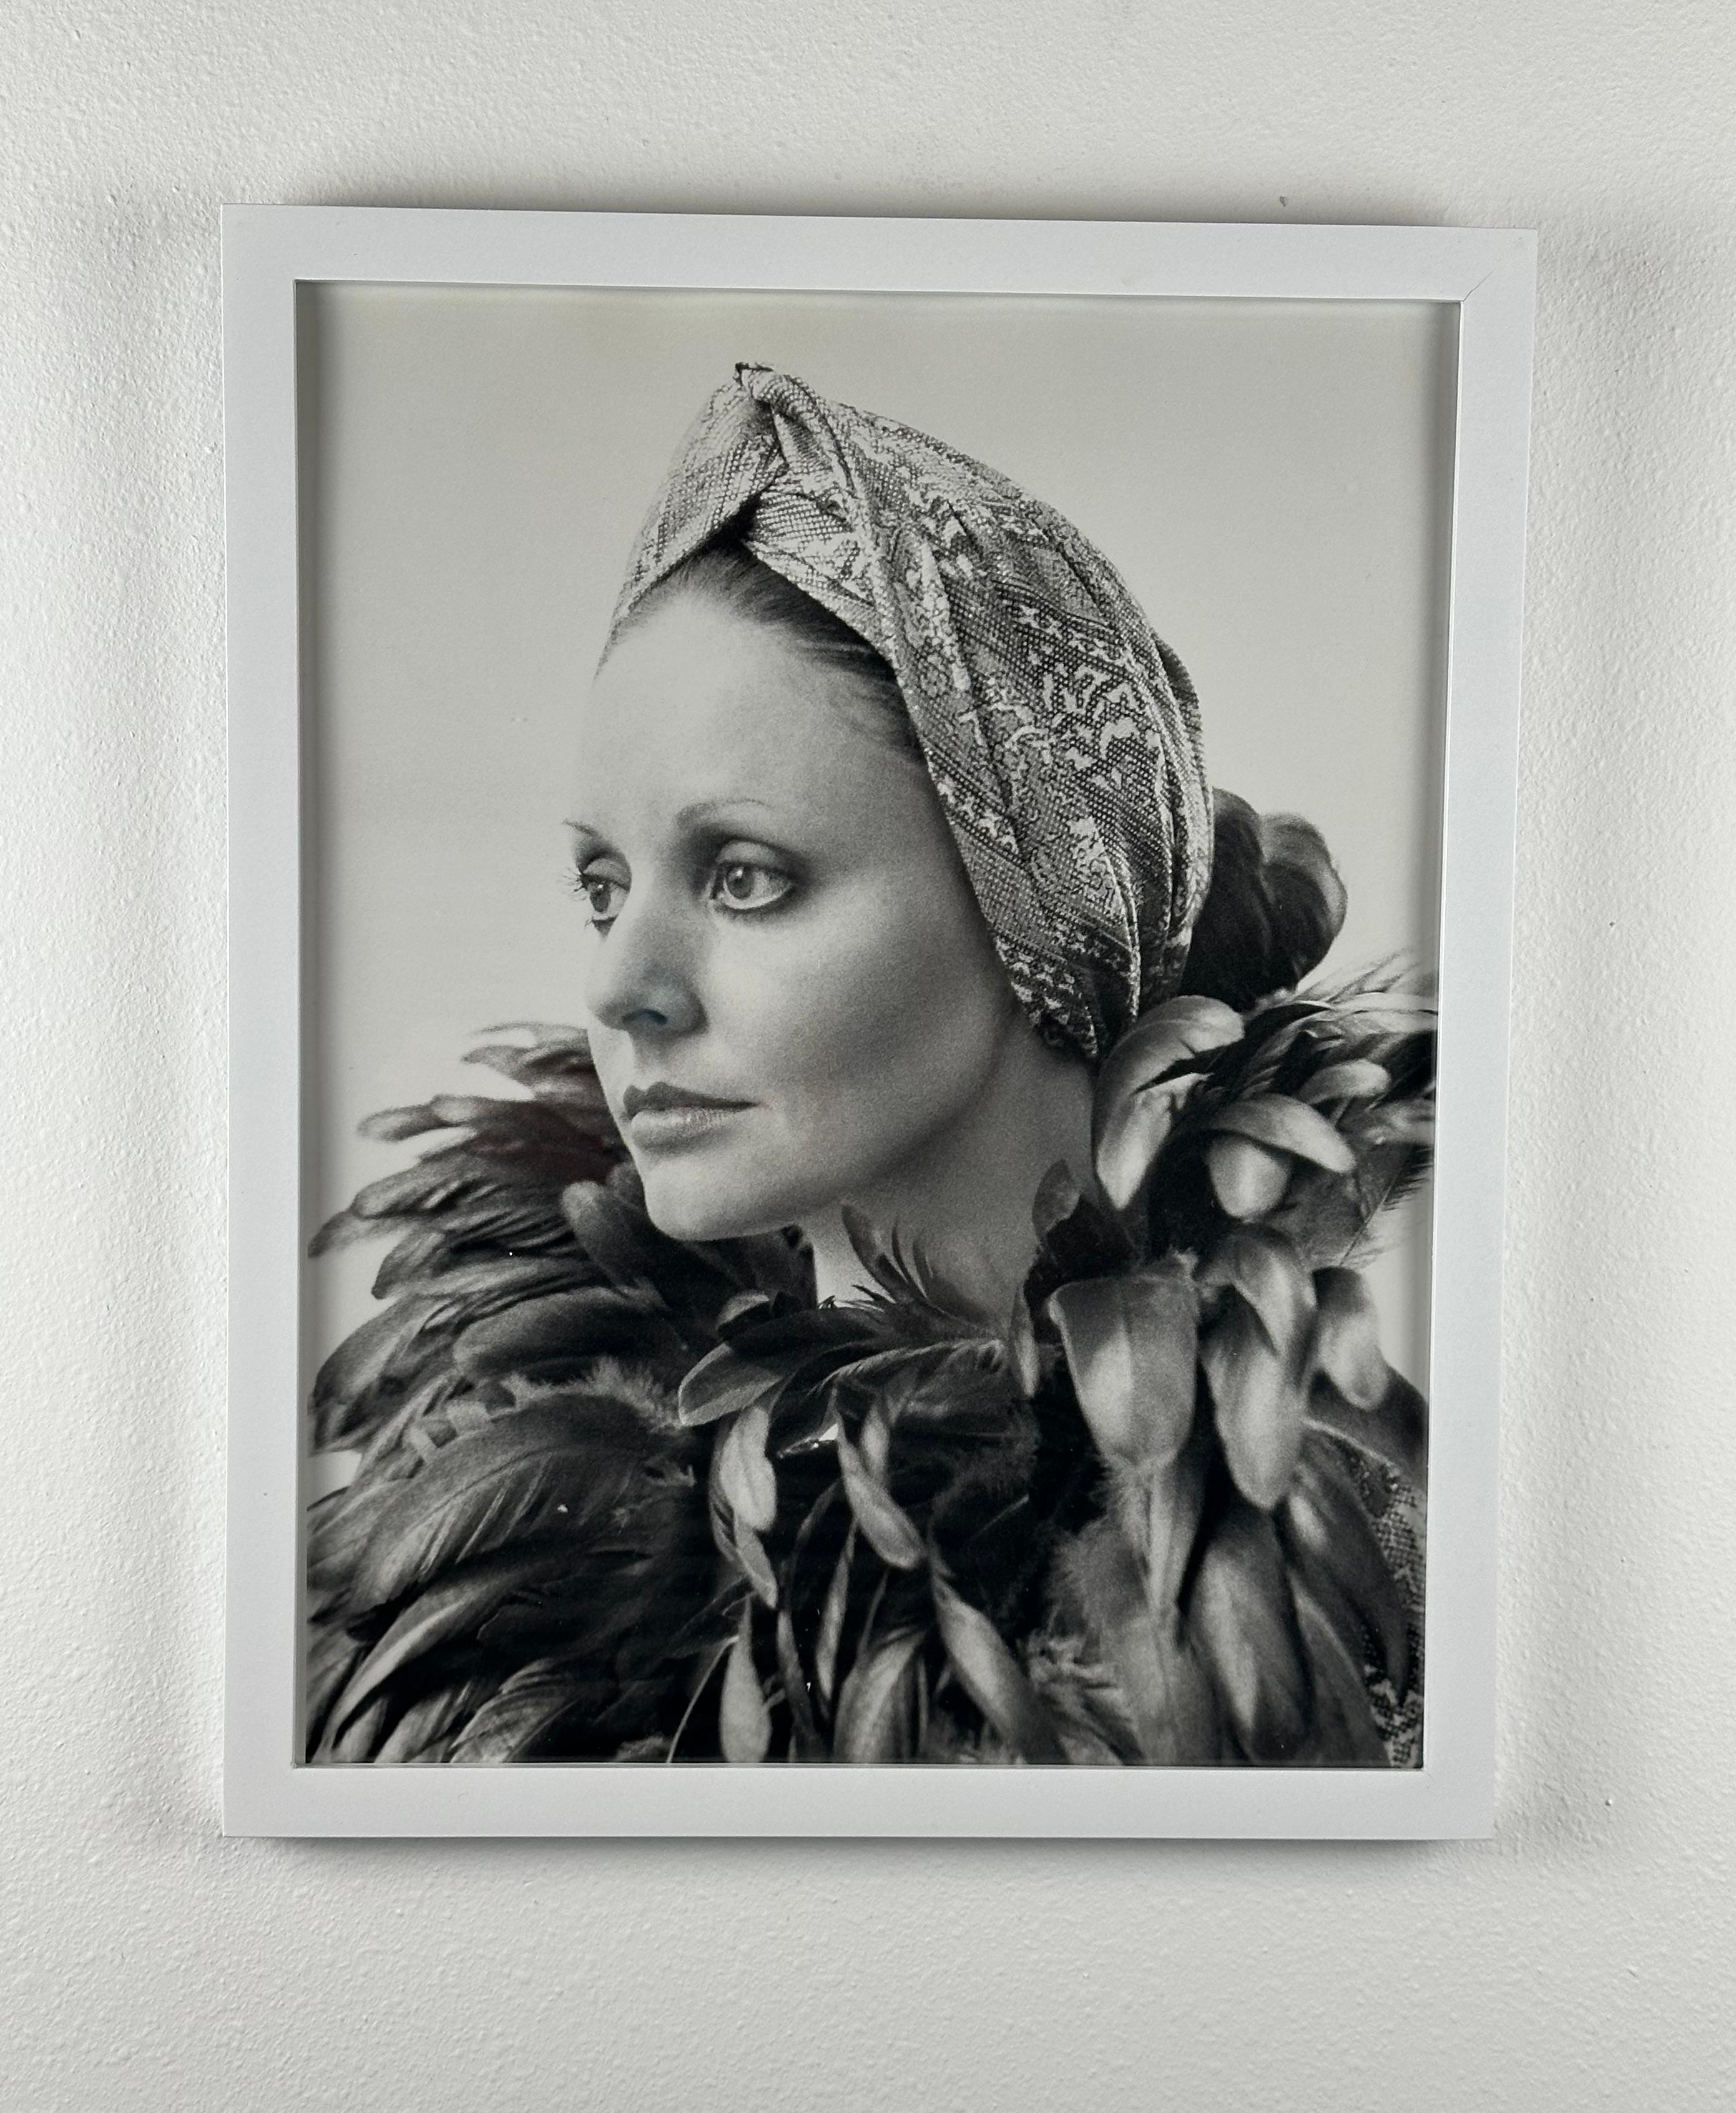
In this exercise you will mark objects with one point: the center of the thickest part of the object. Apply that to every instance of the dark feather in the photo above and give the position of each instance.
(1162, 1686)
(1332, 1549)
(550, 1338)
(362, 1740)
(344, 1229)
(876, 1706)
(338, 1528)
(1244, 1620)
(567, 1463)
(744, 1720)
(393, 1125)
(907, 1275)
(593, 1601)
(422, 1733)
(388, 1349)
(993, 1677)
(392, 1434)
(1258, 1399)
(1395, 1430)
(456, 1605)
(415, 1255)
(524, 1709)
(1345, 1734)
(620, 1241)
(553, 1071)
(885, 1526)
(438, 1180)
(333, 1654)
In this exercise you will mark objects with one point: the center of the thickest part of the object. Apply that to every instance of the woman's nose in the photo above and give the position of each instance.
(640, 979)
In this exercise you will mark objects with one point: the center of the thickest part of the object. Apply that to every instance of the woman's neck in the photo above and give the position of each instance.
(965, 1198)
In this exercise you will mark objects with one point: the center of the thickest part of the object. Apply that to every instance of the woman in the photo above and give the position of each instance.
(961, 1362)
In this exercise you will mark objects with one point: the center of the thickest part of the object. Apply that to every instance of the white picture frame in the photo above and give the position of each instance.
(269, 254)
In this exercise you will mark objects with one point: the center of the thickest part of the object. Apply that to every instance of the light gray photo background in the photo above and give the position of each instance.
(1273, 478)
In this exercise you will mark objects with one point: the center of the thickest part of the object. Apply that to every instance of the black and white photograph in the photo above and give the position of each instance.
(871, 891)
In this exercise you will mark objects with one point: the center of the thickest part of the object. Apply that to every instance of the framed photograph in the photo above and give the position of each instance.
(870, 886)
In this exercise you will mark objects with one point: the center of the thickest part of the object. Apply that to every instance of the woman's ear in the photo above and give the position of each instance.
(1274, 907)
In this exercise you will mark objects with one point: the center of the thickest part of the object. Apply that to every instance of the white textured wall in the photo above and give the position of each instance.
(1582, 1958)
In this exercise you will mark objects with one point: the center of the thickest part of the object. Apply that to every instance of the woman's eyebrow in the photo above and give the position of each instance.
(710, 811)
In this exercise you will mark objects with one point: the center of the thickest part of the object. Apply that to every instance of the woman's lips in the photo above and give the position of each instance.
(655, 1128)
(659, 1116)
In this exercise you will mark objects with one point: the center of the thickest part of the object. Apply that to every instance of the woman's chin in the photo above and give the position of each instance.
(689, 1208)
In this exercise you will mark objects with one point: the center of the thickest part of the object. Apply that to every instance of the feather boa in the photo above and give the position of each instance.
(616, 1497)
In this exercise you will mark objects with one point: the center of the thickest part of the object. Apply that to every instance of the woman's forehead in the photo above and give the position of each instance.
(697, 705)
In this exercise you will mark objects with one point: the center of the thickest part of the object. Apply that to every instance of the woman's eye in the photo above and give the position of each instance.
(738, 884)
(604, 894)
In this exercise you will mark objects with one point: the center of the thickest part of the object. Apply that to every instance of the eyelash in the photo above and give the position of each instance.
(584, 880)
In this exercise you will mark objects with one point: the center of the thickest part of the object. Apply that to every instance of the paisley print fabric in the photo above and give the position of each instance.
(1062, 734)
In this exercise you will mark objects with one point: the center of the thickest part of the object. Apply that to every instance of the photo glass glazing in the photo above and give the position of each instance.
(578, 1491)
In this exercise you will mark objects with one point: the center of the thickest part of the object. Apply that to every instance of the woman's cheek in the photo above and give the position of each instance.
(897, 1020)
(860, 1000)
(855, 1024)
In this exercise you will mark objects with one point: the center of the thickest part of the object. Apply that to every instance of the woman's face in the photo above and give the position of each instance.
(793, 993)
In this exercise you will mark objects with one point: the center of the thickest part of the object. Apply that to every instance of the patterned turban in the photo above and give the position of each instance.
(1062, 734)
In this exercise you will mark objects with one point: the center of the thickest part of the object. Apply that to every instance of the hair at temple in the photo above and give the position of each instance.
(727, 574)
